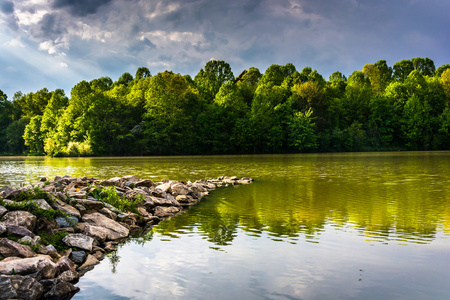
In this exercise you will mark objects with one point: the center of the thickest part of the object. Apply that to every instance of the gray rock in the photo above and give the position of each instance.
(163, 187)
(19, 287)
(97, 232)
(90, 261)
(116, 181)
(144, 183)
(3, 211)
(67, 222)
(68, 209)
(79, 240)
(179, 189)
(65, 264)
(41, 264)
(19, 231)
(114, 229)
(164, 211)
(6, 191)
(42, 204)
(130, 178)
(88, 204)
(69, 276)
(78, 257)
(27, 240)
(20, 218)
(51, 248)
(106, 212)
(3, 228)
(10, 248)
(61, 290)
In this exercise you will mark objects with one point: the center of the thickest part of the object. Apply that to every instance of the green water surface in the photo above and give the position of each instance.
(311, 226)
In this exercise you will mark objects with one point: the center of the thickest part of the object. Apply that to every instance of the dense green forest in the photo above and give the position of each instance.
(403, 107)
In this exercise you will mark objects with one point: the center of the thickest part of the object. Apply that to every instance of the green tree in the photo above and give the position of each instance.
(402, 69)
(33, 136)
(425, 66)
(142, 73)
(210, 79)
(5, 120)
(172, 106)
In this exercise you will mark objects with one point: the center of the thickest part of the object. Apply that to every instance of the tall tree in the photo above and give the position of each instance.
(210, 79)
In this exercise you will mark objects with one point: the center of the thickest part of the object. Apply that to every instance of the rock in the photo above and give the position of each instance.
(41, 203)
(69, 276)
(97, 232)
(186, 200)
(65, 264)
(163, 187)
(144, 183)
(8, 192)
(130, 178)
(19, 231)
(51, 248)
(79, 240)
(67, 222)
(90, 261)
(10, 248)
(115, 230)
(45, 225)
(61, 290)
(88, 204)
(2, 228)
(70, 210)
(78, 257)
(179, 189)
(106, 212)
(41, 264)
(20, 218)
(20, 287)
(3, 210)
(116, 181)
(77, 194)
(163, 211)
(28, 240)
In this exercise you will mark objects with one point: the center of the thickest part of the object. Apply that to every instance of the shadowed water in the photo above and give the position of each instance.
(314, 226)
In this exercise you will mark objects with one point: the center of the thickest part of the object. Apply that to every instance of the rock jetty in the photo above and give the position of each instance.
(54, 231)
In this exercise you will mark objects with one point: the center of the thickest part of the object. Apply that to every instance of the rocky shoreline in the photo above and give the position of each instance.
(53, 232)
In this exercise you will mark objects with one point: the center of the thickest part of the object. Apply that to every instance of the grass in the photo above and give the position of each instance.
(109, 195)
(54, 239)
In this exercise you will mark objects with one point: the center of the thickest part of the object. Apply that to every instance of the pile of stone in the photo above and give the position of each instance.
(93, 228)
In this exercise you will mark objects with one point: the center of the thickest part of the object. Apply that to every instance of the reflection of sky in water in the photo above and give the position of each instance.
(340, 266)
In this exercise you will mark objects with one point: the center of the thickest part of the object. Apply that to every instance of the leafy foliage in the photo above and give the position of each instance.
(380, 107)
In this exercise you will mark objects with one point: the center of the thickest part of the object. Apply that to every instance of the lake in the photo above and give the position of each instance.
(311, 226)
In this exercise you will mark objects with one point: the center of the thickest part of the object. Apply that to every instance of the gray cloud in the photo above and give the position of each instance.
(80, 8)
(115, 36)
(7, 7)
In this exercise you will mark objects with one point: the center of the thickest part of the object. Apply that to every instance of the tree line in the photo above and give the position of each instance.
(378, 108)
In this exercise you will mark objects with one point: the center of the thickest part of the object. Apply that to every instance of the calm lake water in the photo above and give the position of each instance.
(311, 226)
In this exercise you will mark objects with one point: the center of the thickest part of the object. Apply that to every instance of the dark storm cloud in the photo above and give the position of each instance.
(80, 8)
(7, 7)
(50, 26)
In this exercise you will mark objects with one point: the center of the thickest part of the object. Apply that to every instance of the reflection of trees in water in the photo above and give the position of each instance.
(289, 209)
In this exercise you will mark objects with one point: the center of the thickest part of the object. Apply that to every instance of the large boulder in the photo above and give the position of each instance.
(164, 187)
(60, 289)
(91, 260)
(68, 209)
(114, 229)
(41, 203)
(10, 248)
(41, 264)
(20, 287)
(79, 240)
(116, 181)
(179, 189)
(20, 218)
(144, 183)
(69, 276)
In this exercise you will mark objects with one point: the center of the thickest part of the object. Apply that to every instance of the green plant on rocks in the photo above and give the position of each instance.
(54, 239)
(33, 208)
(109, 195)
(35, 193)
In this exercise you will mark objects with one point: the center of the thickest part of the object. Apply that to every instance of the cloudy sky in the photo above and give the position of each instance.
(57, 43)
